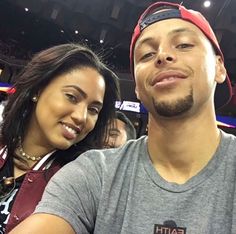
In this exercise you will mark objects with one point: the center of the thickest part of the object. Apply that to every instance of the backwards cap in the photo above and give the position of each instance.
(151, 15)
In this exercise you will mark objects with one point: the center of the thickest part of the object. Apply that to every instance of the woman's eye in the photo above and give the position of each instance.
(94, 110)
(184, 46)
(72, 98)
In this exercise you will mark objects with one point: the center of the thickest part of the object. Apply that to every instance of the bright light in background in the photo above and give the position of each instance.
(26, 9)
(102, 35)
(62, 31)
(207, 4)
(76, 31)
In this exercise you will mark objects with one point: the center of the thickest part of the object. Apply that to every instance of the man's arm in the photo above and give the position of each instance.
(69, 202)
(43, 223)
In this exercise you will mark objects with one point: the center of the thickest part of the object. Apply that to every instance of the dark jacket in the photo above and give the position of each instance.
(29, 193)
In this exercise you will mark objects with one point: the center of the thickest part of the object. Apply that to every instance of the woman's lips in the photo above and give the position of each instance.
(70, 132)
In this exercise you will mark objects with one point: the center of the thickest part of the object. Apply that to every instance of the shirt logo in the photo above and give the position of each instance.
(169, 227)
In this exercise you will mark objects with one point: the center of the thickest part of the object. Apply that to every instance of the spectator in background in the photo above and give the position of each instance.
(119, 131)
(3, 101)
(63, 99)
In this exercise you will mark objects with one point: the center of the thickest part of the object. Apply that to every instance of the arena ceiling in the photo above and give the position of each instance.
(27, 26)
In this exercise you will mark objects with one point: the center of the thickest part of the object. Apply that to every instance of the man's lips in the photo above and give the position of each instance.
(167, 76)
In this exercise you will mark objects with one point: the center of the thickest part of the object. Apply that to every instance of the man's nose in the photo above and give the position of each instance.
(165, 56)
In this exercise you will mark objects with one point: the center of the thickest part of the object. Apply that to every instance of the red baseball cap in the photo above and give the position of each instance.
(151, 15)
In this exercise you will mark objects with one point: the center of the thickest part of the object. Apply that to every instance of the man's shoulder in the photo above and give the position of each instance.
(131, 149)
(228, 145)
(229, 138)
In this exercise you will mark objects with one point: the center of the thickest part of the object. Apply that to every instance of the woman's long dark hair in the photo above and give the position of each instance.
(38, 73)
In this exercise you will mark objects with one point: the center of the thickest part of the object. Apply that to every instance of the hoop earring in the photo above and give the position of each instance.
(34, 98)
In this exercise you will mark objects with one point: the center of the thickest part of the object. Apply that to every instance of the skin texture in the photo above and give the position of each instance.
(188, 52)
(176, 72)
(116, 135)
(43, 223)
(71, 100)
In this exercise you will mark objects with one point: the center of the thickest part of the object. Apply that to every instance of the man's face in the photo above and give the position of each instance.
(175, 68)
(116, 136)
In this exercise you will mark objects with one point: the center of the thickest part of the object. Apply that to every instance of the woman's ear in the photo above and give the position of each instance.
(35, 98)
(220, 70)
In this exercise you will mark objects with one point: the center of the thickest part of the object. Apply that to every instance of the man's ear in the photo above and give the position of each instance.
(220, 70)
(137, 92)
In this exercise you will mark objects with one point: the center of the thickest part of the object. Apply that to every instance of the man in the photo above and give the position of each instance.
(178, 179)
(119, 131)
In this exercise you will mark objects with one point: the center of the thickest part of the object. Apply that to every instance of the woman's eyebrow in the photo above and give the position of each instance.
(83, 94)
(78, 89)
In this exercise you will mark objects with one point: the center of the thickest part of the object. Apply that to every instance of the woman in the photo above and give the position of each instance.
(63, 99)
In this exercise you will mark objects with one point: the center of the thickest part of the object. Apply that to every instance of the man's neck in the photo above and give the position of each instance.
(180, 149)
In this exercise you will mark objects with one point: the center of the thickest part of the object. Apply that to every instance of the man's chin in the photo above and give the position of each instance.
(175, 108)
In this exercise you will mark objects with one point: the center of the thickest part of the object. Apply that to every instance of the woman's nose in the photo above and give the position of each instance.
(79, 115)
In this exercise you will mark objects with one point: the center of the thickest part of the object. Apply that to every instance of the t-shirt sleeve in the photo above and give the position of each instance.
(73, 194)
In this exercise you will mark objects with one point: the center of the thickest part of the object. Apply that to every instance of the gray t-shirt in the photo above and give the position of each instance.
(118, 191)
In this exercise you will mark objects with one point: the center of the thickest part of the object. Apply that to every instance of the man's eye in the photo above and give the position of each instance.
(147, 55)
(184, 46)
(71, 97)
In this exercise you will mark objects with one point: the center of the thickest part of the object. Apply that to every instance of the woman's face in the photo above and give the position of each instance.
(67, 109)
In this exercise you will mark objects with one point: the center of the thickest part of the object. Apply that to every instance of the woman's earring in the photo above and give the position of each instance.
(34, 98)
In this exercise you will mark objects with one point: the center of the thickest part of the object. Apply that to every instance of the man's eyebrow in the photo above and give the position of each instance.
(173, 32)
(182, 30)
(82, 93)
(143, 41)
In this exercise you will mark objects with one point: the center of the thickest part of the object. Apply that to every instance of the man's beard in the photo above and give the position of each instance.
(175, 108)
